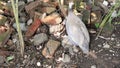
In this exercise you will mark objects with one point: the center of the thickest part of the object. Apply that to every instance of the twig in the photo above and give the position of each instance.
(15, 10)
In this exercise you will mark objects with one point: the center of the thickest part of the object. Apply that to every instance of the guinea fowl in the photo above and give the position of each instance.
(76, 30)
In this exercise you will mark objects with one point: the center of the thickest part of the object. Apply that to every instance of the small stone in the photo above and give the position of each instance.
(106, 45)
(29, 22)
(105, 3)
(14, 40)
(38, 48)
(112, 39)
(40, 38)
(38, 64)
(99, 45)
(66, 58)
(92, 31)
(111, 51)
(50, 48)
(22, 26)
(93, 66)
(25, 56)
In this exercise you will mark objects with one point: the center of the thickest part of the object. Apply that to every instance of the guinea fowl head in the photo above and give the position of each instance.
(70, 5)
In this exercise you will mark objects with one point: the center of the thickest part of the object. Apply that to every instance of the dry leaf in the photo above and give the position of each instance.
(5, 32)
(31, 30)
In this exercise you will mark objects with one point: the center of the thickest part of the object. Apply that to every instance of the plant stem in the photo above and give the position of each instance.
(107, 18)
(15, 10)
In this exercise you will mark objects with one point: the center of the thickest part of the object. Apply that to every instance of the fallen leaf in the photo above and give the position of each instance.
(31, 30)
(4, 34)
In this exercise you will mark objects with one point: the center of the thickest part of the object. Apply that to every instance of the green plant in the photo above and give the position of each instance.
(15, 10)
(108, 18)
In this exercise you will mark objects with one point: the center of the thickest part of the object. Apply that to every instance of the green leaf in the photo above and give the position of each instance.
(97, 25)
(10, 58)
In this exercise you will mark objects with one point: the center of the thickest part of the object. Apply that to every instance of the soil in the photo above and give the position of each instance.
(106, 57)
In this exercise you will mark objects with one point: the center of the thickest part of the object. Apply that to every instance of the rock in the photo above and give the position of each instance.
(22, 26)
(106, 45)
(56, 28)
(66, 58)
(40, 38)
(93, 66)
(25, 56)
(38, 64)
(50, 48)
(99, 45)
(29, 22)
(105, 3)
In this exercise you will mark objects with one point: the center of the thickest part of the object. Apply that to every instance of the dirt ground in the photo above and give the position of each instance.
(107, 51)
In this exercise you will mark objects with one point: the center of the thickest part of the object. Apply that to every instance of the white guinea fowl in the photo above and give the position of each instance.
(77, 31)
